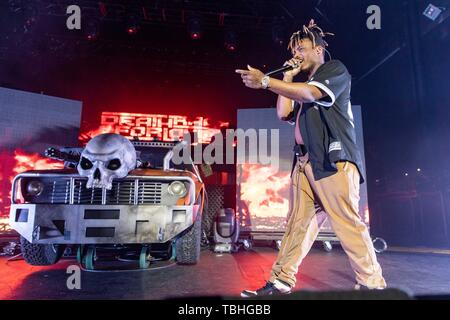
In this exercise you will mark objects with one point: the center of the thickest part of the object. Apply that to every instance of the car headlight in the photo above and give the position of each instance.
(34, 188)
(177, 188)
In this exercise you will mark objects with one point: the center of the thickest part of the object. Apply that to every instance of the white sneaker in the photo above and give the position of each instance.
(277, 287)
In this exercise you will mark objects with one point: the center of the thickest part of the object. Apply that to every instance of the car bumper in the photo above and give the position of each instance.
(95, 224)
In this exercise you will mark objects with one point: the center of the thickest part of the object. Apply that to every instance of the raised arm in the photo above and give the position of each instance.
(286, 89)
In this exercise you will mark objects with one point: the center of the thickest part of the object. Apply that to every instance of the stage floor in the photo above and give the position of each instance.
(221, 275)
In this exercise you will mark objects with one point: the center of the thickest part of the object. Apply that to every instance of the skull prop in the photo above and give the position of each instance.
(106, 156)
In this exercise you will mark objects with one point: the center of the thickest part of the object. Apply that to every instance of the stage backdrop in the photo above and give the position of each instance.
(263, 190)
(29, 123)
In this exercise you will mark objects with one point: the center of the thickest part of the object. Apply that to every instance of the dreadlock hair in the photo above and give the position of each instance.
(312, 32)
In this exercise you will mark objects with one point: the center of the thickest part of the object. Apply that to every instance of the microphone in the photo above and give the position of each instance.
(282, 69)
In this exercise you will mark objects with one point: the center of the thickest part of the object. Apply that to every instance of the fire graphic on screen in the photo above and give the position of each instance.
(25, 161)
(263, 199)
(149, 127)
(13, 164)
(264, 196)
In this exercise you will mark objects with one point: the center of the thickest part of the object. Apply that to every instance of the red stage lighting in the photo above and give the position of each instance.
(92, 29)
(195, 35)
(149, 127)
(230, 41)
(133, 24)
(132, 30)
(230, 47)
(92, 37)
(194, 27)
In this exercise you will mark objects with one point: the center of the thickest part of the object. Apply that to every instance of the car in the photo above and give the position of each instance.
(157, 204)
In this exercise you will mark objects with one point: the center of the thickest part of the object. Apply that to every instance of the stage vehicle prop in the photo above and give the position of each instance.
(123, 194)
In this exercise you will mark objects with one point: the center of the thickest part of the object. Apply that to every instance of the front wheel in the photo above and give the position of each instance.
(187, 247)
(41, 254)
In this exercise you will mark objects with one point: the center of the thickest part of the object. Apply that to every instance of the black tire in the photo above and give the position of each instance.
(41, 254)
(187, 246)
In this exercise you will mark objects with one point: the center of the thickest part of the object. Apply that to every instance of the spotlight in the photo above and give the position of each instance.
(432, 12)
(278, 35)
(194, 28)
(132, 30)
(92, 29)
(231, 47)
(230, 41)
(132, 24)
(195, 35)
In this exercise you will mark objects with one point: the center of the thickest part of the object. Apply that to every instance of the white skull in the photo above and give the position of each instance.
(105, 157)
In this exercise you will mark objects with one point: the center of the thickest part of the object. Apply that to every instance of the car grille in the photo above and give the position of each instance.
(125, 191)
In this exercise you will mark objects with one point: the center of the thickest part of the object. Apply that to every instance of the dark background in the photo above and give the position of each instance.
(400, 77)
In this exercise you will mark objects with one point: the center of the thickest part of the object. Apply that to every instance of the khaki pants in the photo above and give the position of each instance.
(337, 198)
